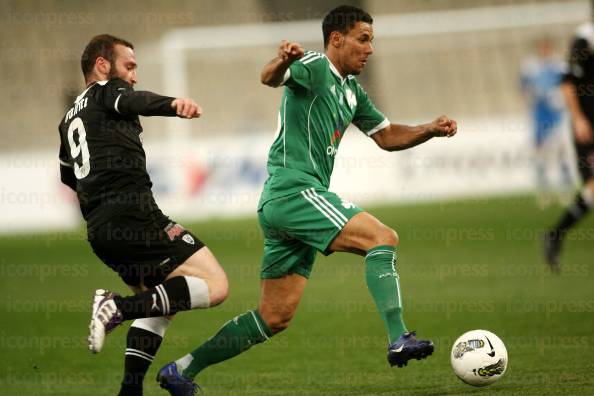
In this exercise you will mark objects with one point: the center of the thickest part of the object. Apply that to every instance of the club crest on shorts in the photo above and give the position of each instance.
(188, 239)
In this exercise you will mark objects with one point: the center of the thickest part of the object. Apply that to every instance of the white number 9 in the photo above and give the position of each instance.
(80, 171)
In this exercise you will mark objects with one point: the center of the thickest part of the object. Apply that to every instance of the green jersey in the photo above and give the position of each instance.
(317, 106)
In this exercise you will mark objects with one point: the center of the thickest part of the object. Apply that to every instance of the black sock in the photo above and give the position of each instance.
(170, 297)
(573, 214)
(141, 347)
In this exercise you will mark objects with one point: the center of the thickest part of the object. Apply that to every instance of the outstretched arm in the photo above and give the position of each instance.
(274, 71)
(121, 97)
(397, 137)
(148, 104)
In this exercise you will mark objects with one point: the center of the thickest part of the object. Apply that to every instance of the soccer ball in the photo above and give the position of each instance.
(479, 357)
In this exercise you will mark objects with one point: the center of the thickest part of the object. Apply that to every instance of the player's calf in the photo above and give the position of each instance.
(142, 343)
(218, 290)
(180, 293)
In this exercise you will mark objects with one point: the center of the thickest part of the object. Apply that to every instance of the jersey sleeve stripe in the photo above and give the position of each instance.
(315, 58)
(115, 106)
(308, 56)
(64, 163)
(385, 123)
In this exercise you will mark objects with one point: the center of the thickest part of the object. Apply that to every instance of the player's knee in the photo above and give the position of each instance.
(218, 290)
(278, 323)
(386, 236)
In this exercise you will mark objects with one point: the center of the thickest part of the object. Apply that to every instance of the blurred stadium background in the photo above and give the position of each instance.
(464, 208)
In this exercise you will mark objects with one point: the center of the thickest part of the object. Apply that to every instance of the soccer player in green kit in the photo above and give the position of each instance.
(297, 213)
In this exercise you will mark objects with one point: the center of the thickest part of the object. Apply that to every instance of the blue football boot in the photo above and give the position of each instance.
(177, 385)
(408, 347)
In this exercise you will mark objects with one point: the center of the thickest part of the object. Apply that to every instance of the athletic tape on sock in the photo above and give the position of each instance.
(157, 325)
(198, 288)
(184, 362)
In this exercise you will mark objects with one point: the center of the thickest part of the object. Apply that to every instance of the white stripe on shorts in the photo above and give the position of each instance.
(321, 210)
(330, 206)
(327, 207)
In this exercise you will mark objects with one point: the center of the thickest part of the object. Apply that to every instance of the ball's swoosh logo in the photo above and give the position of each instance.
(492, 353)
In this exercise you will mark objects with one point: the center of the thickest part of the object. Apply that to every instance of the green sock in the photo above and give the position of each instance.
(236, 336)
(383, 283)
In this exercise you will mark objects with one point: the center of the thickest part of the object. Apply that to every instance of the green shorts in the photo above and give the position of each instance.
(298, 225)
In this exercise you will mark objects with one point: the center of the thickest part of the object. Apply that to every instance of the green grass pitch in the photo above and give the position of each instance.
(463, 265)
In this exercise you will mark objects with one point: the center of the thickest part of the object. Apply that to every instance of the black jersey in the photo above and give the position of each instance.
(581, 68)
(101, 154)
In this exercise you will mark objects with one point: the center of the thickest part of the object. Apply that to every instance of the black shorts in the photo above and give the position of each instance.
(142, 249)
(585, 157)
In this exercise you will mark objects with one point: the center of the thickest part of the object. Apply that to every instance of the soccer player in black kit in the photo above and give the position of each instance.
(578, 90)
(102, 159)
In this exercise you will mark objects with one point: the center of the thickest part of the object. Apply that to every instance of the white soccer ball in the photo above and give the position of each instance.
(479, 357)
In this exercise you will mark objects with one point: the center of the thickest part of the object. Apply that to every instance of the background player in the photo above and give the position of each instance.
(297, 213)
(577, 90)
(102, 159)
(541, 76)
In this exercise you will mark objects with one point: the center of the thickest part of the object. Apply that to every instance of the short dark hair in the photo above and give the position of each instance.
(343, 19)
(100, 46)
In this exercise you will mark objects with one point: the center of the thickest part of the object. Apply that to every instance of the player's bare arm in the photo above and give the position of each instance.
(274, 71)
(581, 126)
(397, 137)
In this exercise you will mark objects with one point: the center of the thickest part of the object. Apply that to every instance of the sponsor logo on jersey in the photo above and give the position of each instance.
(335, 136)
(331, 149)
(173, 230)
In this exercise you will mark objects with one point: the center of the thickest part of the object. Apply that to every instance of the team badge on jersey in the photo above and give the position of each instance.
(188, 239)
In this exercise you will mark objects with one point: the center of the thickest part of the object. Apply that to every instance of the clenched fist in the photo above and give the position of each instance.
(290, 52)
(444, 126)
(186, 108)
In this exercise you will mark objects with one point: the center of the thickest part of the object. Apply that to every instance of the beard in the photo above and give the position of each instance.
(113, 73)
